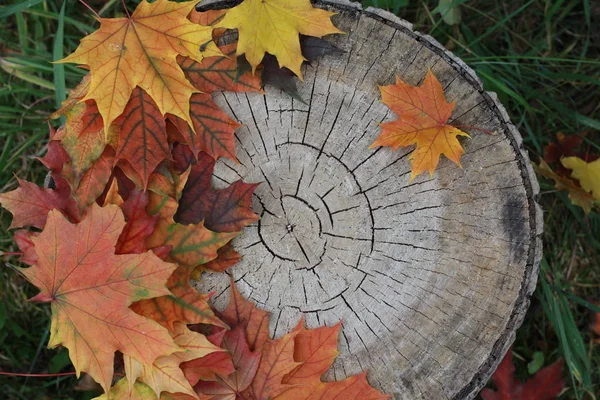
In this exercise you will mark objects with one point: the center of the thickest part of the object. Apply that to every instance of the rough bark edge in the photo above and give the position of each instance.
(532, 188)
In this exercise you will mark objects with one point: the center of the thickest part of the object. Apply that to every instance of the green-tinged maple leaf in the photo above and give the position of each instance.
(82, 137)
(90, 290)
(184, 304)
(194, 245)
(74, 98)
(224, 210)
(30, 204)
(142, 135)
(213, 130)
(220, 73)
(165, 375)
(545, 385)
(142, 51)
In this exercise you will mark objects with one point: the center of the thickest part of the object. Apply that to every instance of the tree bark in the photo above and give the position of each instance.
(431, 277)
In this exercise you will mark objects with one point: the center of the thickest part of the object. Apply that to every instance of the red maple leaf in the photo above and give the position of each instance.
(545, 385)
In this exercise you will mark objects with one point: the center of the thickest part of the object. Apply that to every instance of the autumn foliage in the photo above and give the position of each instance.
(130, 215)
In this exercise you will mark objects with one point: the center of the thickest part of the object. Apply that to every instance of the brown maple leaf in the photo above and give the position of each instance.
(423, 121)
(225, 210)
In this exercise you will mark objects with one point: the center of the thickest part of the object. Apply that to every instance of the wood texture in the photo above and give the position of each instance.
(431, 277)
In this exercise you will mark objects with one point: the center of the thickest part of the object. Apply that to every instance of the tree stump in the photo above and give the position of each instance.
(430, 277)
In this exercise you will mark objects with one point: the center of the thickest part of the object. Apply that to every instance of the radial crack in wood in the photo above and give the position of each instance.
(431, 277)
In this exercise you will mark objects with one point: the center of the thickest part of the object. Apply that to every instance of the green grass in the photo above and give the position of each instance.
(542, 57)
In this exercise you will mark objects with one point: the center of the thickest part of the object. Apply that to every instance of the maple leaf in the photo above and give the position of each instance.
(277, 360)
(423, 115)
(315, 350)
(165, 375)
(226, 258)
(246, 365)
(577, 195)
(220, 73)
(208, 367)
(22, 238)
(183, 304)
(142, 135)
(225, 210)
(142, 51)
(90, 290)
(92, 183)
(271, 26)
(139, 224)
(30, 204)
(545, 385)
(588, 174)
(244, 313)
(82, 137)
(213, 129)
(75, 96)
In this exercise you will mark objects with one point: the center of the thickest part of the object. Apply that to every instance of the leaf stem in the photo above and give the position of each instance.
(126, 10)
(11, 253)
(90, 8)
(38, 375)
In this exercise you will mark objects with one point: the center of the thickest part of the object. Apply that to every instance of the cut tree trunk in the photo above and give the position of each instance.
(431, 277)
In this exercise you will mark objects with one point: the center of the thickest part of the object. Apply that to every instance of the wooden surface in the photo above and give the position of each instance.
(431, 277)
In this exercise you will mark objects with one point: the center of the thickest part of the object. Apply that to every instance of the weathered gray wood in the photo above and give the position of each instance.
(431, 277)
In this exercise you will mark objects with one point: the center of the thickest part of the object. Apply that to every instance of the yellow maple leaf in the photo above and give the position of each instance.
(577, 195)
(588, 174)
(142, 50)
(273, 26)
(423, 115)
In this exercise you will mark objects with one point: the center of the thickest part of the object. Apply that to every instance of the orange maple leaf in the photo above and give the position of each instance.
(277, 360)
(423, 120)
(315, 350)
(142, 51)
(90, 289)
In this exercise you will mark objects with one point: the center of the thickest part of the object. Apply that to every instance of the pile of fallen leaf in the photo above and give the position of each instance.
(129, 214)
